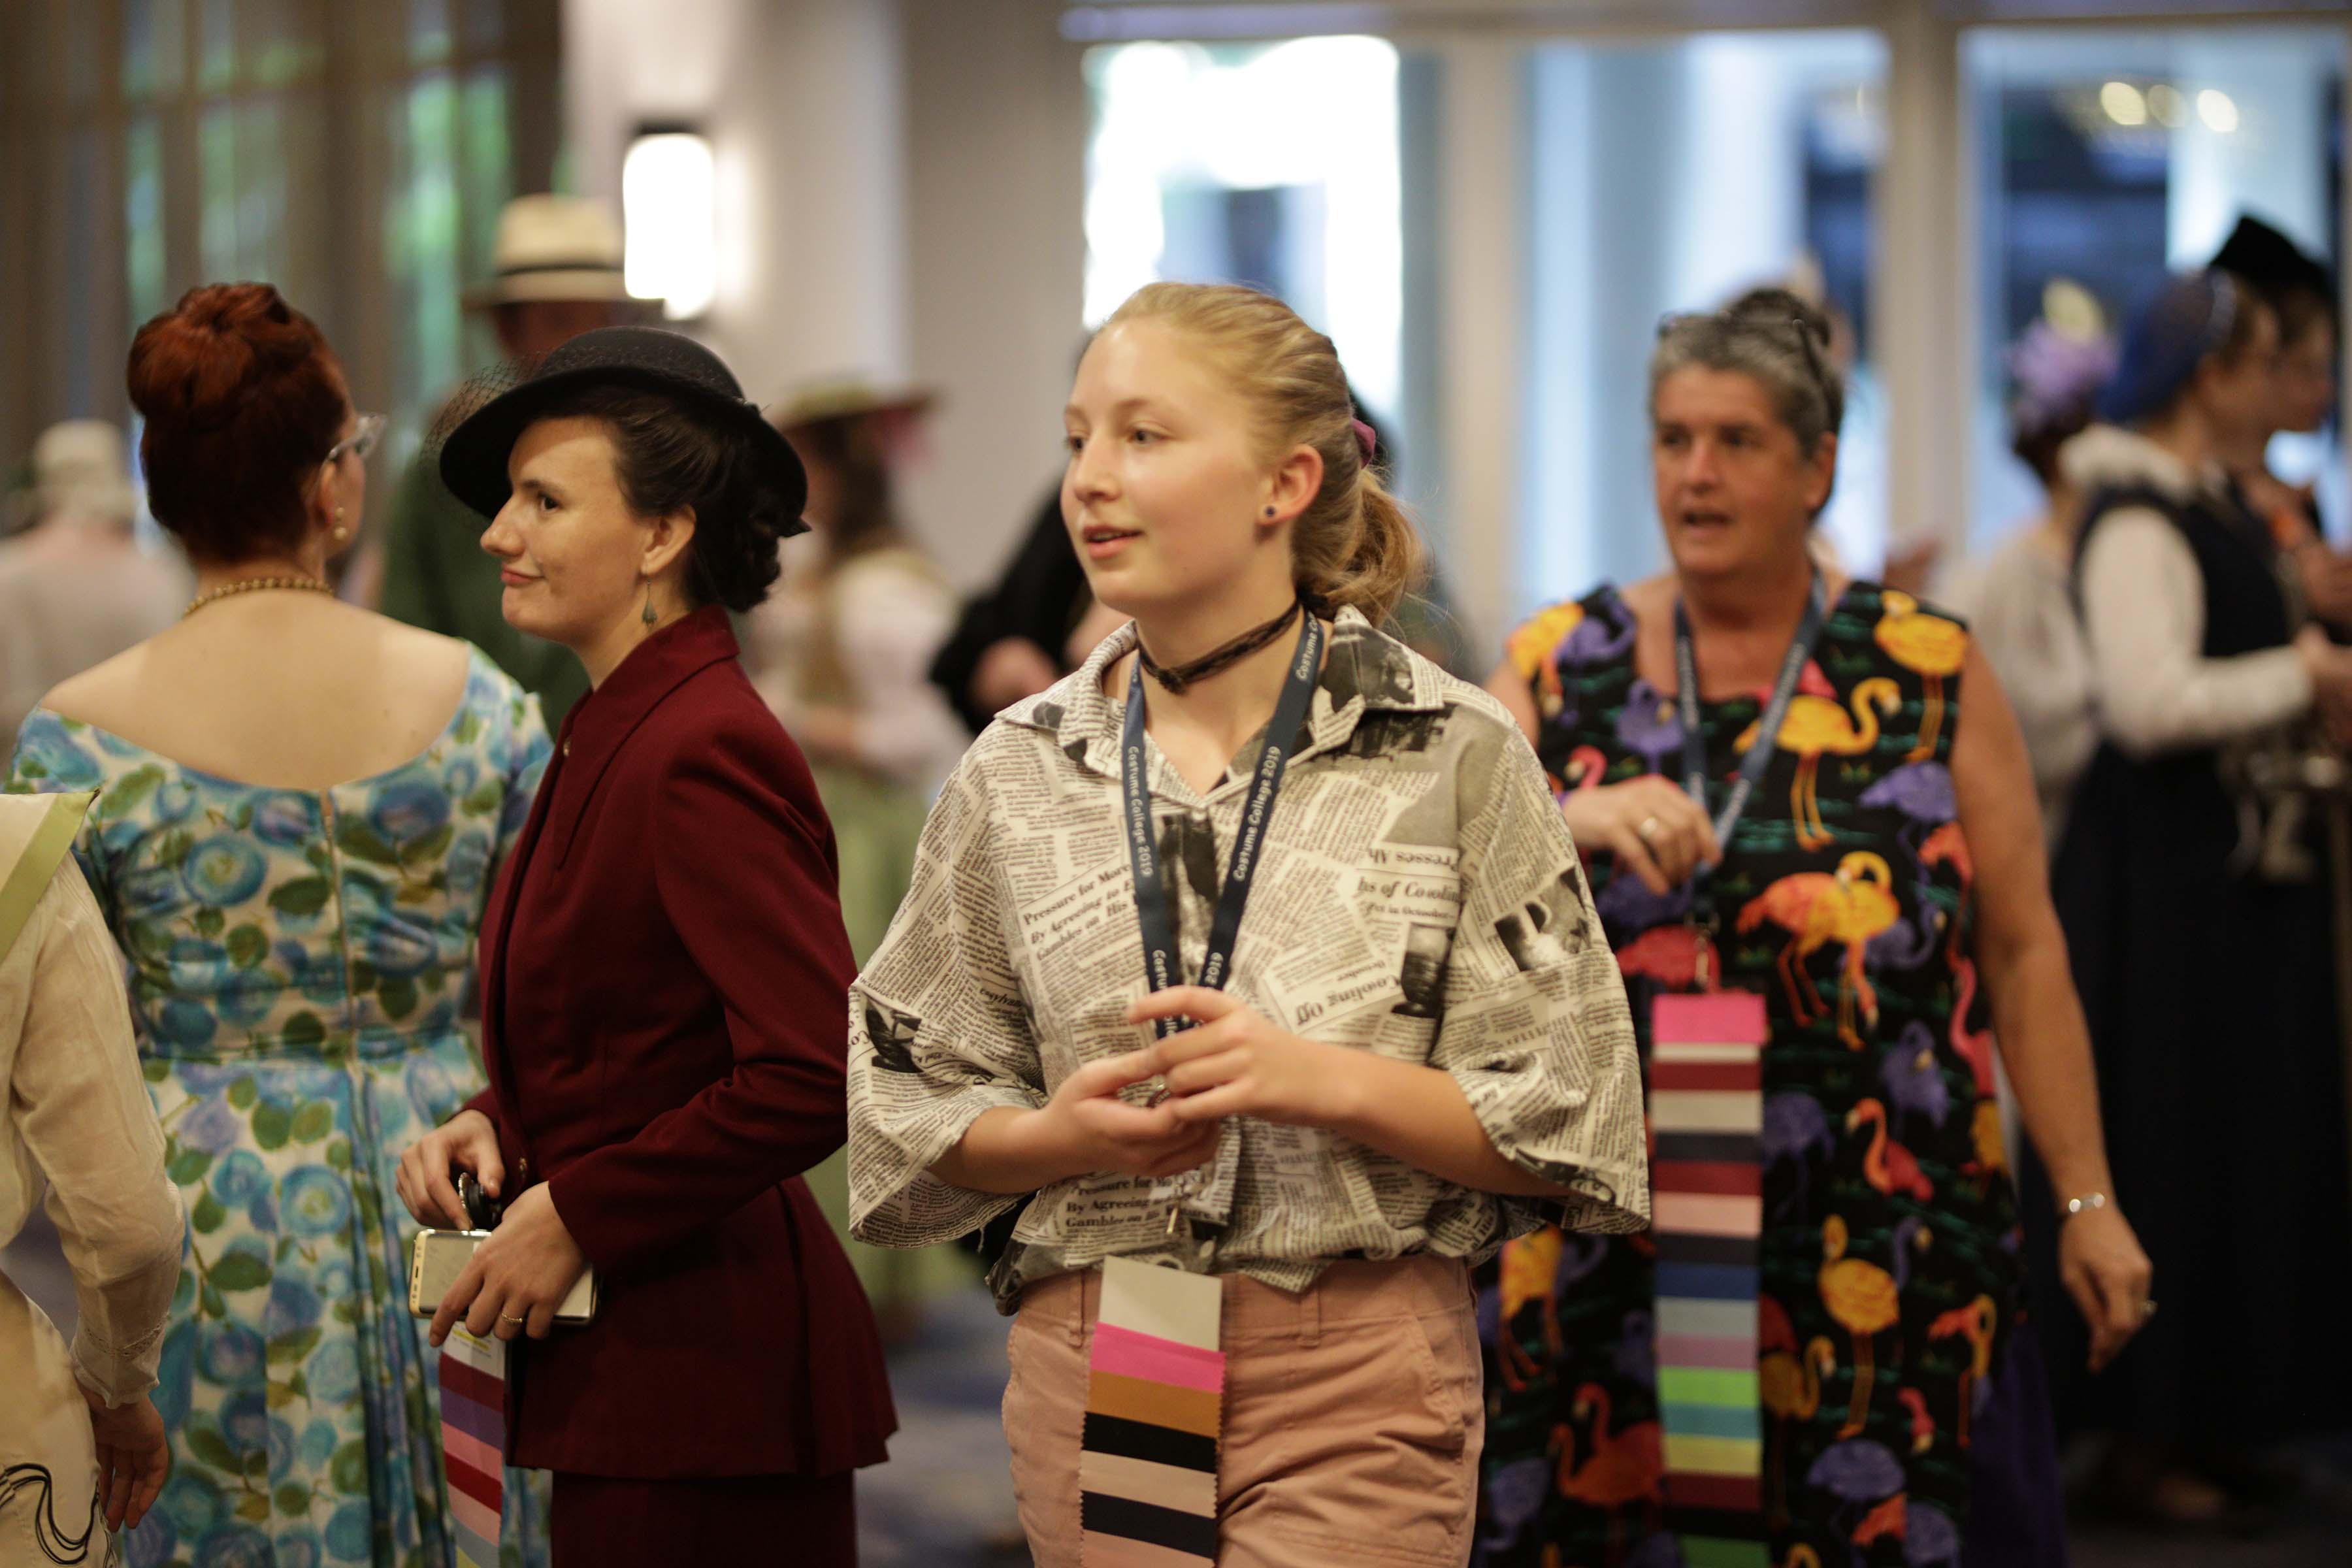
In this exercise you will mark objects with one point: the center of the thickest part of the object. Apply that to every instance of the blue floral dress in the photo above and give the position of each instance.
(299, 963)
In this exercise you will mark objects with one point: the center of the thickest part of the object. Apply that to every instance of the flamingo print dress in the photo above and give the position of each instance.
(1889, 1242)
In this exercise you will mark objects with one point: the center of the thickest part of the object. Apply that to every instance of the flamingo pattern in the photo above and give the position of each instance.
(1888, 1286)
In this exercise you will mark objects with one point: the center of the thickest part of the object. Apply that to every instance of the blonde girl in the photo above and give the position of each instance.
(1410, 1043)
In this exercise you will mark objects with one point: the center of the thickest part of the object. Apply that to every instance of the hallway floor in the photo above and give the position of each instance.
(945, 1501)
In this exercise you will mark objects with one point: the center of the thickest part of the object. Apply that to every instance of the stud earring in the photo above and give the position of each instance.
(1269, 511)
(648, 617)
(341, 533)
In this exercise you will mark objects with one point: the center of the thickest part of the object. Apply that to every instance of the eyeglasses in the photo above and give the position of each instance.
(367, 430)
(1809, 343)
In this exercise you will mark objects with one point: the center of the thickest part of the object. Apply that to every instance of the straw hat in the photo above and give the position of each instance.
(848, 397)
(553, 248)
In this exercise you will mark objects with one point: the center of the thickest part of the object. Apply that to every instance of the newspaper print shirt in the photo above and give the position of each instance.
(1418, 897)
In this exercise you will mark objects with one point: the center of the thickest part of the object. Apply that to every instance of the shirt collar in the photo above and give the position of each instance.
(1363, 669)
(601, 721)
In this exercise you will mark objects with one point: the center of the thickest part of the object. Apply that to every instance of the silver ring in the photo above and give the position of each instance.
(1648, 830)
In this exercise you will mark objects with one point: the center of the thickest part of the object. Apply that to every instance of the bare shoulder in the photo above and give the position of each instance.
(106, 694)
(411, 650)
(1651, 599)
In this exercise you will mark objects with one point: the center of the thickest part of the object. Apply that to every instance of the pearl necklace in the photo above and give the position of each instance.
(254, 585)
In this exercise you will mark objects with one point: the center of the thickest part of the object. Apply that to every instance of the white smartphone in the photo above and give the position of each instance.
(438, 1257)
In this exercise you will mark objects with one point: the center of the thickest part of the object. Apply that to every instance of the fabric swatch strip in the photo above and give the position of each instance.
(1706, 1113)
(1155, 1403)
(473, 1442)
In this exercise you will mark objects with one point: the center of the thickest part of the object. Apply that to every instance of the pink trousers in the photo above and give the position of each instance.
(1353, 1418)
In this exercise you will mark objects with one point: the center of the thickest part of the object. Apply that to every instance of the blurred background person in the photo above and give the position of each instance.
(292, 853)
(841, 652)
(557, 273)
(81, 1447)
(76, 587)
(2197, 907)
(2302, 295)
(1886, 905)
(2019, 601)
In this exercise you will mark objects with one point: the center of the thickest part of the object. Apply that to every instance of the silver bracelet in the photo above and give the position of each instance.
(2088, 1201)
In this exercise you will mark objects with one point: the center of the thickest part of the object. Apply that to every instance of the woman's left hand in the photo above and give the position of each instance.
(1234, 1063)
(2100, 1260)
(516, 1279)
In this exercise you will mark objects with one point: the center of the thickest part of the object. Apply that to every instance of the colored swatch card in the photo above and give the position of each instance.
(1706, 1121)
(1155, 1408)
(473, 1442)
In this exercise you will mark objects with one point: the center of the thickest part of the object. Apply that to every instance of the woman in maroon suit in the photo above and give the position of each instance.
(664, 975)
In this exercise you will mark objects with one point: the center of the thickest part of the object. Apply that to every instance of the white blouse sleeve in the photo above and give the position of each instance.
(890, 623)
(2143, 611)
(81, 1111)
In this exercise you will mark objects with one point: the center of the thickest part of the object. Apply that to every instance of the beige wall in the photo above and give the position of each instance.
(901, 184)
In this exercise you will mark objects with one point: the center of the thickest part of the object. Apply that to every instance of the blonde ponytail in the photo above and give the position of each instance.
(1355, 546)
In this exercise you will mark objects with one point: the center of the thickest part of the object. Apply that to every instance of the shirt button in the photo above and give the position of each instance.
(567, 748)
(522, 1166)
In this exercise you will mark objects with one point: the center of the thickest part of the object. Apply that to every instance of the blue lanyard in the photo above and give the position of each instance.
(1162, 965)
(1768, 730)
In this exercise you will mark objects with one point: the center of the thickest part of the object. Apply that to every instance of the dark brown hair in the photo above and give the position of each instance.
(669, 455)
(850, 448)
(242, 401)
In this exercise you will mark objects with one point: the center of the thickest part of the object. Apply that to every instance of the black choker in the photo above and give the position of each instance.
(1176, 680)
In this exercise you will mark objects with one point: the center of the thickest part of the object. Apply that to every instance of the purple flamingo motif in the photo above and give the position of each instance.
(1598, 639)
(1858, 1473)
(1909, 942)
(1649, 725)
(1515, 1499)
(1921, 792)
(1906, 1237)
(1637, 1350)
(1794, 1126)
(1628, 905)
(1659, 1550)
(1913, 1080)
(1930, 1538)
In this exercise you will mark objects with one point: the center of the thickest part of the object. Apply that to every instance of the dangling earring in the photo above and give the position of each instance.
(648, 617)
(341, 533)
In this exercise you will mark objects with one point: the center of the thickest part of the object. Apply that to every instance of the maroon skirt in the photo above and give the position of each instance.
(601, 1522)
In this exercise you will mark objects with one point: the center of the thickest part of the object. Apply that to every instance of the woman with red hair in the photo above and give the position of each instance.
(299, 806)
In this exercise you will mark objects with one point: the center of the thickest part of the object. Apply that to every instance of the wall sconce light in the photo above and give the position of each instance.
(669, 201)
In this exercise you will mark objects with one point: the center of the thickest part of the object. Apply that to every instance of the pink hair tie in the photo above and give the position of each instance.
(1367, 442)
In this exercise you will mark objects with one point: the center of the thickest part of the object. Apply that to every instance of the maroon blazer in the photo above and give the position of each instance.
(664, 1019)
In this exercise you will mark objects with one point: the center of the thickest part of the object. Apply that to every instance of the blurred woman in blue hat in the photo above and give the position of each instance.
(2193, 885)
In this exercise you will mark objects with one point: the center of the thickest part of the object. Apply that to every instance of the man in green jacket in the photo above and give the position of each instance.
(558, 274)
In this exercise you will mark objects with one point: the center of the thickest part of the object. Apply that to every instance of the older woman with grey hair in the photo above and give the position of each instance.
(1812, 836)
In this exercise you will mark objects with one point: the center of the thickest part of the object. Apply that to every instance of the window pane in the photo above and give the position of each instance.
(2110, 157)
(1667, 176)
(142, 212)
(1275, 166)
(282, 44)
(428, 31)
(153, 34)
(420, 234)
(217, 45)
